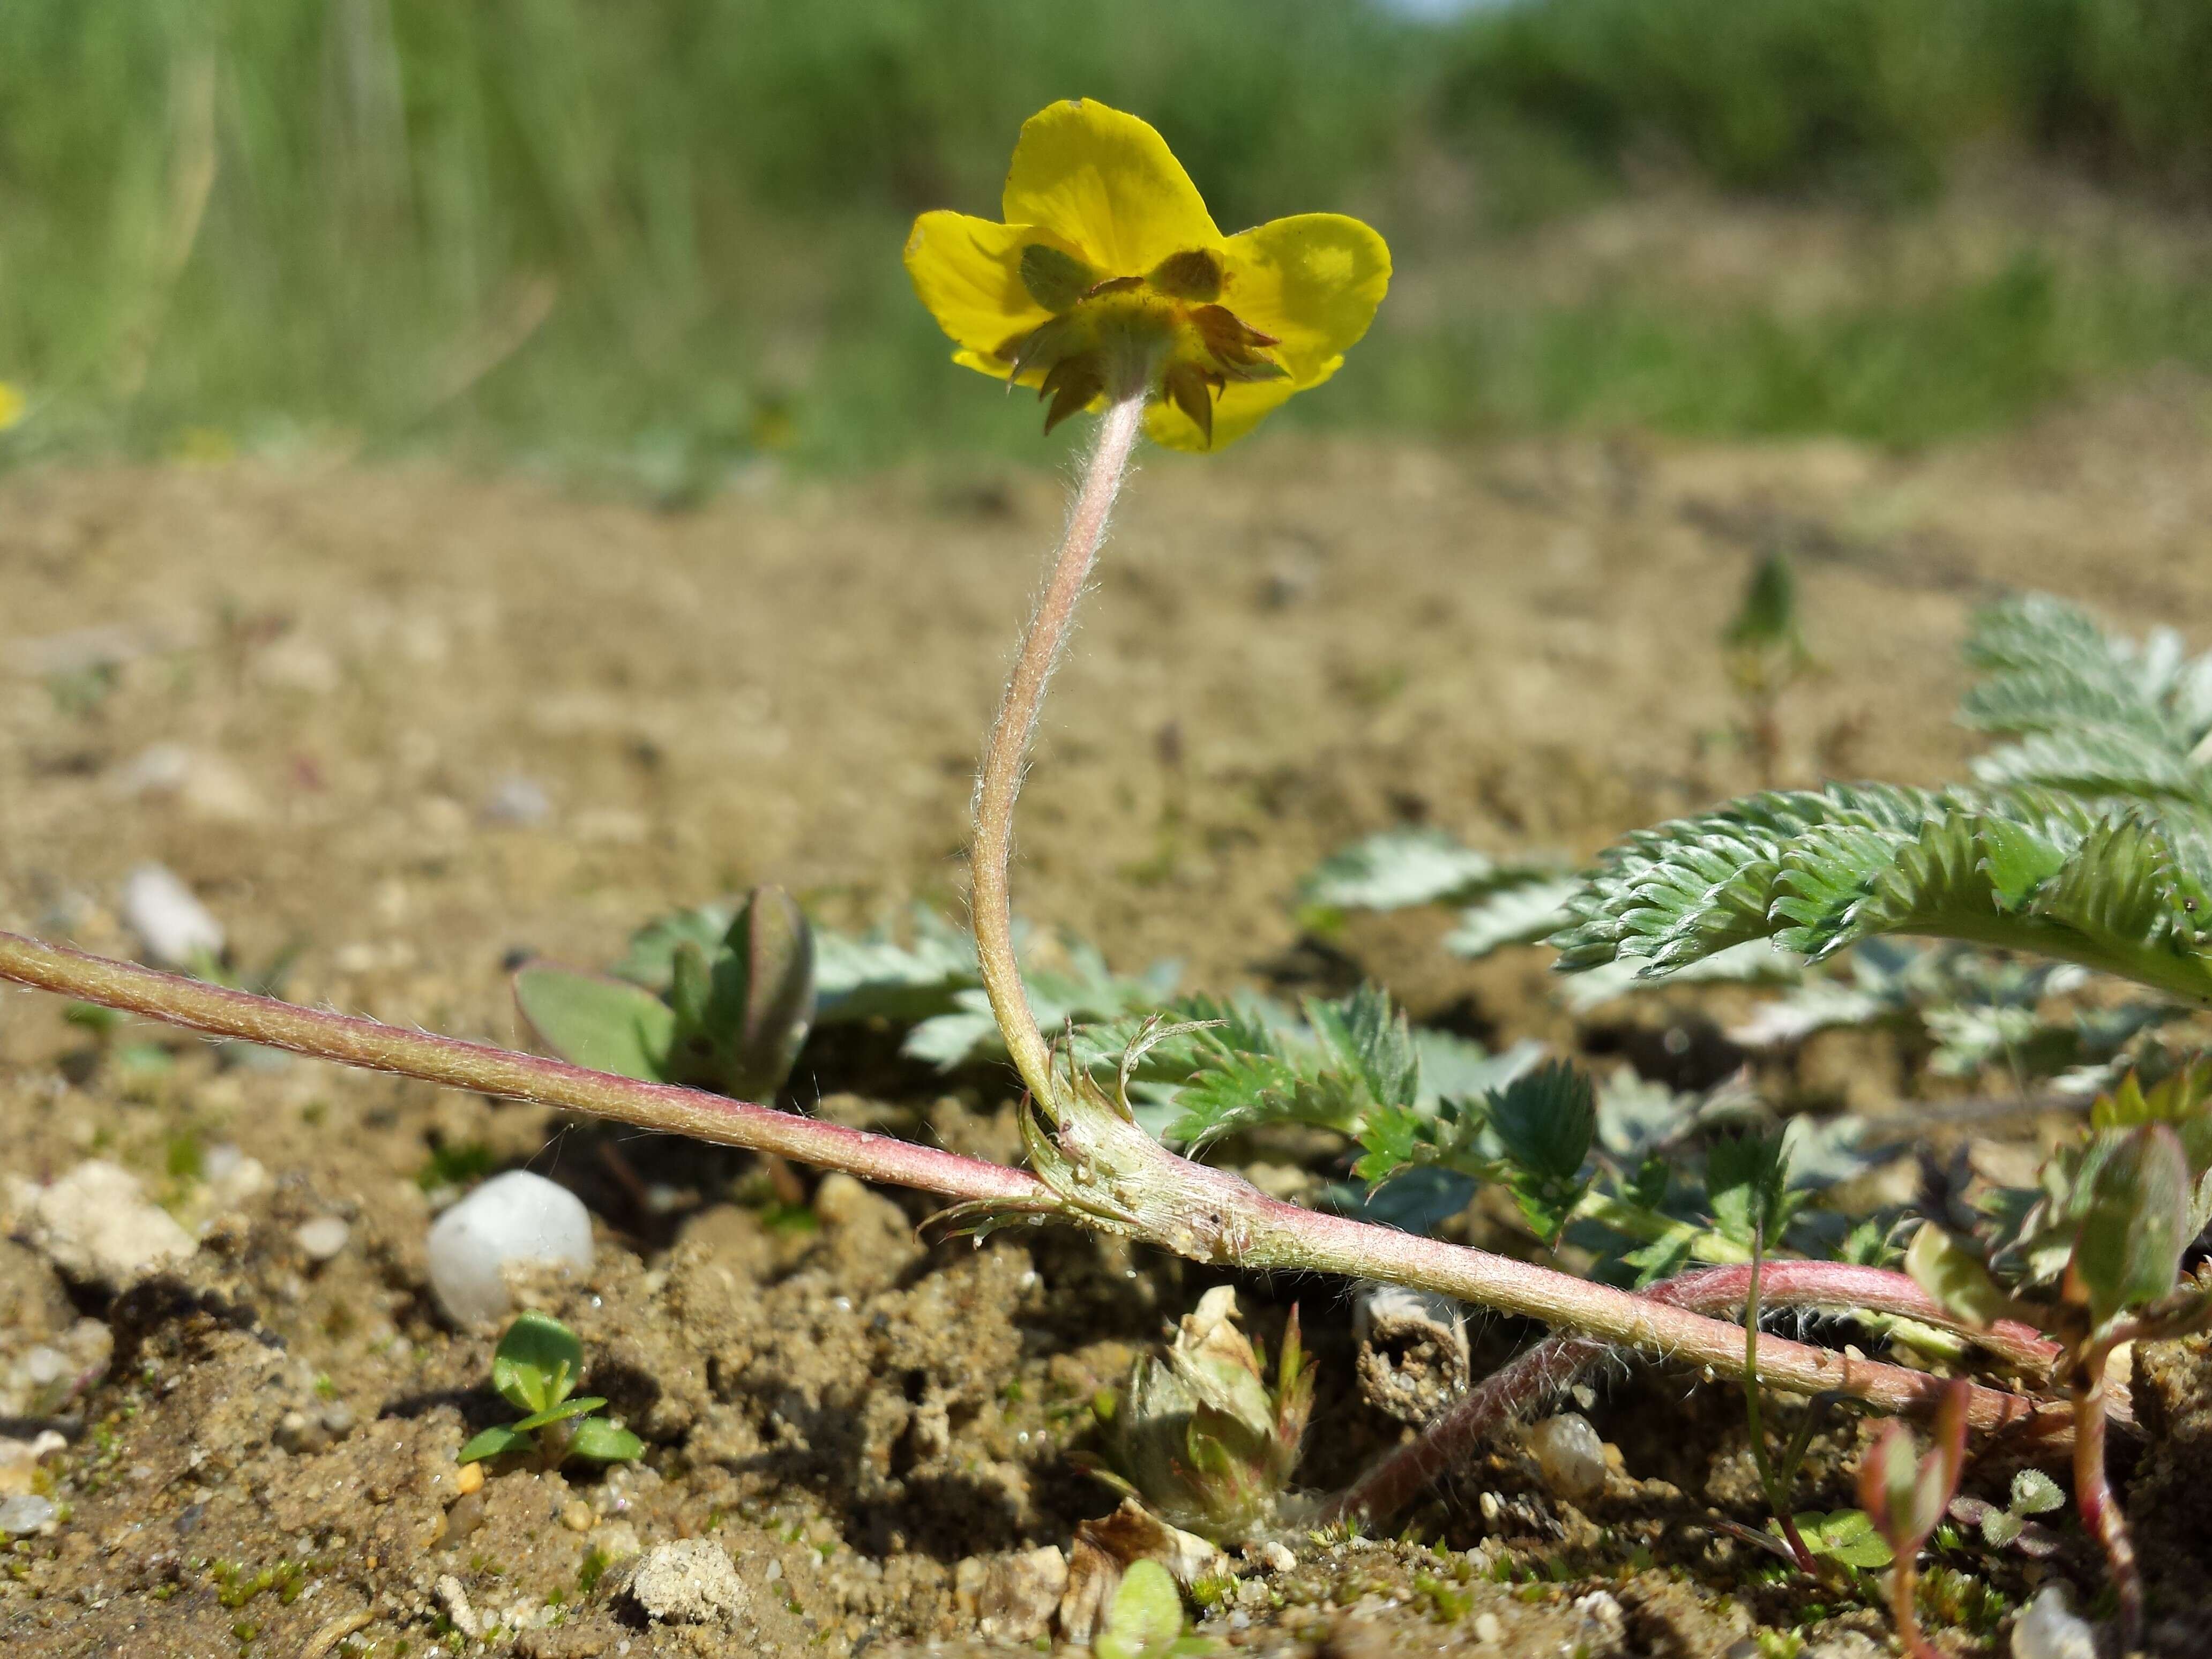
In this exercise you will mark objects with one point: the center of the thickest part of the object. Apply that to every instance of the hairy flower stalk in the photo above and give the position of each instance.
(1000, 778)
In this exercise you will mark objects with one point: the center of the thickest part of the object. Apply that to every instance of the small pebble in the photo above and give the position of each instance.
(1488, 1630)
(25, 1514)
(96, 1225)
(2051, 1629)
(457, 1609)
(172, 924)
(466, 1515)
(514, 1218)
(691, 1581)
(471, 1478)
(1569, 1453)
(322, 1238)
(576, 1515)
(301, 1435)
(518, 800)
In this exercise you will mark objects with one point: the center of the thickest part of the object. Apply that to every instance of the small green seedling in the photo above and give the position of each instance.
(535, 1370)
(1846, 1537)
(1144, 1621)
(1905, 1496)
(736, 1011)
(2034, 1493)
(1766, 655)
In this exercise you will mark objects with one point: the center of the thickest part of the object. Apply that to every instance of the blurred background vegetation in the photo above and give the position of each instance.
(656, 238)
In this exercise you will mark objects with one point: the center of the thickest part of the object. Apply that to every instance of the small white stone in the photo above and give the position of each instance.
(158, 770)
(24, 1515)
(456, 1600)
(20, 1459)
(512, 1219)
(1488, 1630)
(519, 801)
(323, 1237)
(172, 926)
(233, 1176)
(1602, 1618)
(94, 1225)
(691, 1581)
(1569, 1453)
(2051, 1629)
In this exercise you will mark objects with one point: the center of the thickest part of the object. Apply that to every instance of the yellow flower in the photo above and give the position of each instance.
(13, 405)
(1109, 275)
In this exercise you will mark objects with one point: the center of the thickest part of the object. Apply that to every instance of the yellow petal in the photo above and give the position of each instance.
(969, 273)
(1108, 183)
(12, 405)
(1313, 281)
(1242, 405)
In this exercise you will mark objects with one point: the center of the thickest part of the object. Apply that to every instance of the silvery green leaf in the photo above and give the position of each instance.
(1399, 868)
(1455, 1068)
(601, 1023)
(1524, 913)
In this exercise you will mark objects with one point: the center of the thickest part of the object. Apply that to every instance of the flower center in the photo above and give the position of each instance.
(1165, 334)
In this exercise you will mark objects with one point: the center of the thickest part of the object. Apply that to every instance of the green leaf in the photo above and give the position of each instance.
(1951, 1271)
(601, 1441)
(1512, 915)
(603, 1024)
(1145, 1618)
(2136, 1224)
(1399, 868)
(493, 1441)
(1845, 1536)
(651, 958)
(1767, 618)
(1546, 1119)
(1366, 1035)
(2125, 891)
(538, 1363)
(1747, 1187)
(561, 1412)
(2034, 1492)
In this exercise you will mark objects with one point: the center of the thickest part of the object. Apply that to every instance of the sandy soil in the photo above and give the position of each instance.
(307, 691)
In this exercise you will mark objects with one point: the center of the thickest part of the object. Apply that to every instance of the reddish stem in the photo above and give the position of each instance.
(2101, 1514)
(1553, 1363)
(1904, 1608)
(1127, 1182)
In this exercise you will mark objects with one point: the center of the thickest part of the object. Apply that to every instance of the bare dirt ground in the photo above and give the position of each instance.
(309, 691)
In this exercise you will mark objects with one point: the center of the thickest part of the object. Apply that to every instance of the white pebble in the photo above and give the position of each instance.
(2050, 1629)
(172, 926)
(1569, 1453)
(26, 1514)
(321, 1238)
(96, 1226)
(514, 1218)
(518, 800)
(688, 1583)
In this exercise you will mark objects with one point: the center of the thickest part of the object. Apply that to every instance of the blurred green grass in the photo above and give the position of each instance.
(654, 239)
